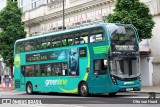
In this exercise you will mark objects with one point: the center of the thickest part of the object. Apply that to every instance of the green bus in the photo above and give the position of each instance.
(100, 58)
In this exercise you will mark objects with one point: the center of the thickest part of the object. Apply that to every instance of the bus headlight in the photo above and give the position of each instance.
(140, 78)
(114, 80)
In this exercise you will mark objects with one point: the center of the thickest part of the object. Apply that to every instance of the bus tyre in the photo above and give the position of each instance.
(29, 88)
(83, 89)
(112, 94)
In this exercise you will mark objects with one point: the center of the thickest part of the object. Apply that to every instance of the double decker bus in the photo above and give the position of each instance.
(101, 58)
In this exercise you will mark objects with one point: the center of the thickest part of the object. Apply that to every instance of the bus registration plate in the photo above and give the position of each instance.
(129, 89)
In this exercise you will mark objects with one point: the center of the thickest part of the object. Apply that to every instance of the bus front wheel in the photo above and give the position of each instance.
(112, 94)
(83, 89)
(29, 88)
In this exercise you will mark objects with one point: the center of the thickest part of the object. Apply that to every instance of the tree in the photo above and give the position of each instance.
(12, 28)
(133, 12)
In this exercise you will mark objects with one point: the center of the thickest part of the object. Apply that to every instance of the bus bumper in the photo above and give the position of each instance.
(123, 86)
(136, 87)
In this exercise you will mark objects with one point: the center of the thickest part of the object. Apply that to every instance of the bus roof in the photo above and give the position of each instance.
(67, 31)
(61, 32)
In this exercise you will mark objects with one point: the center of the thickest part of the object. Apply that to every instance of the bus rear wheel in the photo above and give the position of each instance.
(29, 88)
(83, 89)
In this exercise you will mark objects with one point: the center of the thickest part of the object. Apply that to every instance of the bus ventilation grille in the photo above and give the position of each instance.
(17, 84)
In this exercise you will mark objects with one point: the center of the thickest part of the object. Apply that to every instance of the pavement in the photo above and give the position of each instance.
(145, 89)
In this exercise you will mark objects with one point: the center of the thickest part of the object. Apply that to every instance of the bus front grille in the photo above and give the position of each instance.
(17, 84)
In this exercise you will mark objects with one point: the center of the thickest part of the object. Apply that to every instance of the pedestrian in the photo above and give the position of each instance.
(7, 81)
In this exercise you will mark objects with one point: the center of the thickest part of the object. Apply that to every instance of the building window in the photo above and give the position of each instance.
(21, 1)
(158, 6)
(13, 0)
(34, 4)
(48, 1)
(57, 3)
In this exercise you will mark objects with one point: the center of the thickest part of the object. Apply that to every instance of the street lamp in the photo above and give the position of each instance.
(63, 17)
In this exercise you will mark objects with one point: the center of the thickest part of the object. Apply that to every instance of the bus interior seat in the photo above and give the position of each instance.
(70, 43)
(38, 46)
(44, 46)
(64, 43)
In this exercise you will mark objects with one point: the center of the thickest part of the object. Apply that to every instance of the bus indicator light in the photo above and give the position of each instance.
(87, 69)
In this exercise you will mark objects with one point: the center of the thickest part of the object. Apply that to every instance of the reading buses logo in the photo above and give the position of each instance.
(17, 61)
(56, 82)
(131, 82)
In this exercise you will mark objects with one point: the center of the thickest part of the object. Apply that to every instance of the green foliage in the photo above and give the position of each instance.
(133, 12)
(12, 28)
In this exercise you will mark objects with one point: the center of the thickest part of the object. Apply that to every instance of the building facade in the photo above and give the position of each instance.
(154, 6)
(44, 16)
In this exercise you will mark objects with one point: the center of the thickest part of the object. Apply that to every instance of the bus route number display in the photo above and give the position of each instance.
(82, 52)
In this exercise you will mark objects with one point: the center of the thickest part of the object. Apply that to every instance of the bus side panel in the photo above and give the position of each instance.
(73, 81)
(18, 80)
(64, 84)
(17, 84)
(98, 83)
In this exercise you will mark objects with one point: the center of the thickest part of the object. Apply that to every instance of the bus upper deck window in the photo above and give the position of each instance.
(38, 44)
(64, 40)
(79, 41)
(70, 42)
(96, 38)
(82, 41)
(92, 38)
(29, 45)
(19, 47)
(56, 41)
(84, 37)
(97, 35)
(69, 39)
(45, 43)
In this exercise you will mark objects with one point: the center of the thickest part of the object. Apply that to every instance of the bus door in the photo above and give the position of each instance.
(100, 74)
(22, 75)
